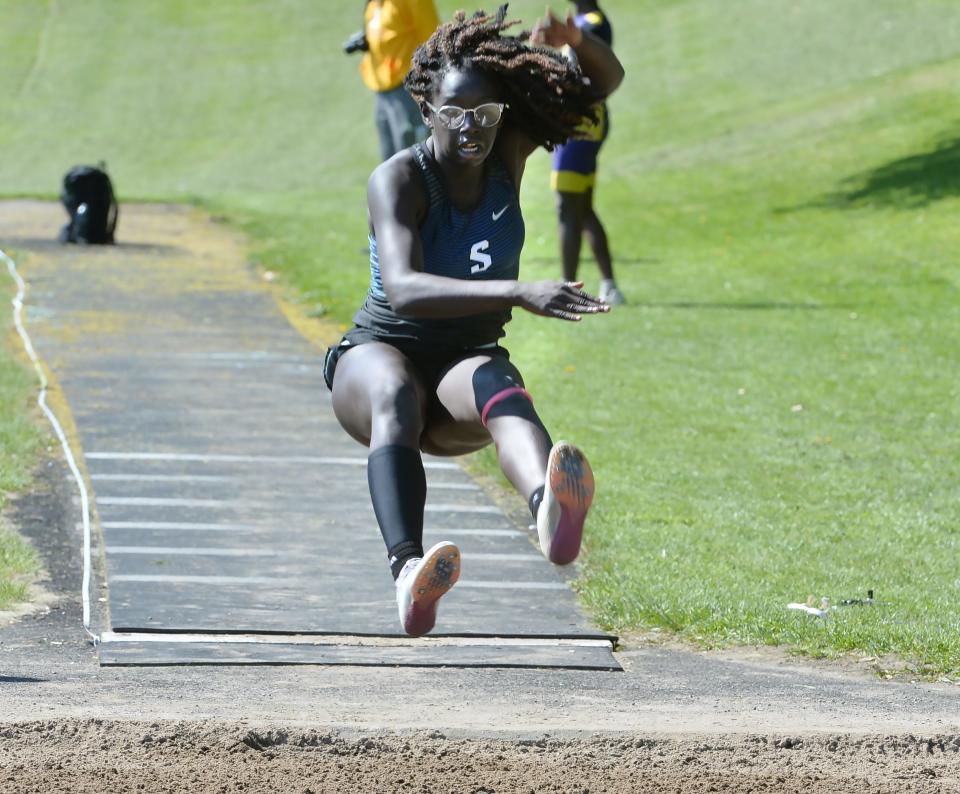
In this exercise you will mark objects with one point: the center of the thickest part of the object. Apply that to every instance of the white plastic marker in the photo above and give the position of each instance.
(67, 452)
(811, 608)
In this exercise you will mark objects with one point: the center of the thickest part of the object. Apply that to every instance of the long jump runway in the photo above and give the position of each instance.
(234, 514)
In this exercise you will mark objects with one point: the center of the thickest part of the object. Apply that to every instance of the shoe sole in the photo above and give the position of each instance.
(438, 573)
(570, 478)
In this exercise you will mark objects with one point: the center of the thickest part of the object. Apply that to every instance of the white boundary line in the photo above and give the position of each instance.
(149, 578)
(496, 557)
(190, 551)
(67, 452)
(454, 508)
(161, 501)
(345, 640)
(490, 585)
(163, 478)
(258, 459)
(178, 526)
(502, 533)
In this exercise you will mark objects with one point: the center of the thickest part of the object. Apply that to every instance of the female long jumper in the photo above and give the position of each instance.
(423, 370)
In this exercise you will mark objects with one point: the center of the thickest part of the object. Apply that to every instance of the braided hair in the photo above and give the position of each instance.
(547, 94)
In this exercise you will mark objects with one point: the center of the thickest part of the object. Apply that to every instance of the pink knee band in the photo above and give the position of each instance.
(499, 397)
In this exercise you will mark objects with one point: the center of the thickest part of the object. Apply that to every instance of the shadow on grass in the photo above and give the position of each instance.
(908, 183)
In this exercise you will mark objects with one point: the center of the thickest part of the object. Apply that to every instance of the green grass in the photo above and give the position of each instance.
(19, 439)
(18, 567)
(775, 412)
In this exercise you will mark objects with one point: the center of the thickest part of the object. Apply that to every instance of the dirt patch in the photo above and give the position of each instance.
(38, 600)
(96, 756)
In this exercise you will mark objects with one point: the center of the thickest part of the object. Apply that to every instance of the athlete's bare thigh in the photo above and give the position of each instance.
(378, 395)
(453, 422)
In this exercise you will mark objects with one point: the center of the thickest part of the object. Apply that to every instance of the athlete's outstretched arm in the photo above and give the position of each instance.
(597, 61)
(395, 198)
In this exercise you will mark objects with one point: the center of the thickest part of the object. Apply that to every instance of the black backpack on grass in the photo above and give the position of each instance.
(89, 200)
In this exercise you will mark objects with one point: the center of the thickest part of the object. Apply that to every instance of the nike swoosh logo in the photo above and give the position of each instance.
(497, 215)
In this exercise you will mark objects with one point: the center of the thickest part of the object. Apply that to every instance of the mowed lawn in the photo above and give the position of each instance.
(775, 412)
(19, 438)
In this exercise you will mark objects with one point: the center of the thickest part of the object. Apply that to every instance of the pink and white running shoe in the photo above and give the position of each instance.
(567, 495)
(421, 582)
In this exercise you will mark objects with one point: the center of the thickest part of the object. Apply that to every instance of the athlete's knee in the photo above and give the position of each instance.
(512, 401)
(498, 390)
(393, 393)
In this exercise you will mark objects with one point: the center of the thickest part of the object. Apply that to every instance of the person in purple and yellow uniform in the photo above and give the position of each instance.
(574, 175)
(423, 369)
(393, 29)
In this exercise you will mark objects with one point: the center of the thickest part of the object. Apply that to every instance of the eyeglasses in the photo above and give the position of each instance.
(453, 117)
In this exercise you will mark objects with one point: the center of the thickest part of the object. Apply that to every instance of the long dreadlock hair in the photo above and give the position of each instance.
(546, 93)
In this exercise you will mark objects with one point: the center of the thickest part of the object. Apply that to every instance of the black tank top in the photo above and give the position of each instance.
(484, 243)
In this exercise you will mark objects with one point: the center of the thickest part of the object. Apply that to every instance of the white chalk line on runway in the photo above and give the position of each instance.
(117, 637)
(68, 453)
(256, 459)
(200, 551)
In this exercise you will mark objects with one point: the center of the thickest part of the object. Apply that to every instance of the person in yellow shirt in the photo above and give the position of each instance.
(393, 29)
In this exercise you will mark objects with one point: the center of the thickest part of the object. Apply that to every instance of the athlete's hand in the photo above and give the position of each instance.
(554, 32)
(563, 299)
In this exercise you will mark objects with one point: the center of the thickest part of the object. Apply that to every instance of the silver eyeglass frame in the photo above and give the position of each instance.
(463, 119)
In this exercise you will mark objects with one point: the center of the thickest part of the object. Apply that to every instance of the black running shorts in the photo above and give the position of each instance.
(431, 360)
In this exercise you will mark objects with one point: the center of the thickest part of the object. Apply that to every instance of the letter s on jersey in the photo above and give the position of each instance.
(476, 255)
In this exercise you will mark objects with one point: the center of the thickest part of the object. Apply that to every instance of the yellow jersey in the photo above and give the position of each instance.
(394, 29)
